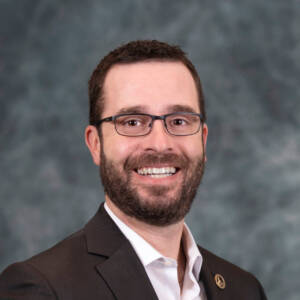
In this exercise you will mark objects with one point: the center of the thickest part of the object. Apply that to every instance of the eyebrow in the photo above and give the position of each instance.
(142, 109)
(132, 110)
(179, 107)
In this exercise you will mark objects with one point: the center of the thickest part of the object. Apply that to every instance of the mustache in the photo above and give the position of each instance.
(154, 159)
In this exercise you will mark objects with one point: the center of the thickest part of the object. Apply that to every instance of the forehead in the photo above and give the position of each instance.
(153, 86)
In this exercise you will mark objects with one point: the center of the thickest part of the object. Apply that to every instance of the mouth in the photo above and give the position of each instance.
(157, 172)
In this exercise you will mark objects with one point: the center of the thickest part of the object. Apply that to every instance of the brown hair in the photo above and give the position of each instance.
(136, 51)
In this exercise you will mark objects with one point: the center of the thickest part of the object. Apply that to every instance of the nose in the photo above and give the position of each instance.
(158, 140)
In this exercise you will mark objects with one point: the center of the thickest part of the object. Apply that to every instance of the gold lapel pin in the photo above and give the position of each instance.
(220, 281)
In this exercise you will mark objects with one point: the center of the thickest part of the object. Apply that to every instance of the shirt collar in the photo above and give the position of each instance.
(143, 249)
(192, 253)
(148, 254)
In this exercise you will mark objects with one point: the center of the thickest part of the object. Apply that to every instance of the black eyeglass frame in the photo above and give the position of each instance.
(153, 117)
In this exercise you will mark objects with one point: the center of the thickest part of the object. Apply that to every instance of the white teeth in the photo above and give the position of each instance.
(157, 172)
(159, 175)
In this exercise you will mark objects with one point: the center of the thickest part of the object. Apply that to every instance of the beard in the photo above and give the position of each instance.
(157, 208)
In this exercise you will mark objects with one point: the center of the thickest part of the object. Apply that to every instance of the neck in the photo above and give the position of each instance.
(165, 239)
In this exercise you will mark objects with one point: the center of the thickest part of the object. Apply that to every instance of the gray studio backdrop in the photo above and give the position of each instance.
(248, 56)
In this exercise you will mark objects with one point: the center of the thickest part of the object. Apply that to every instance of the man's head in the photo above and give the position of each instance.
(153, 177)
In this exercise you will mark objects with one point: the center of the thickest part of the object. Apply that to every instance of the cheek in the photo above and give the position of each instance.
(119, 148)
(193, 151)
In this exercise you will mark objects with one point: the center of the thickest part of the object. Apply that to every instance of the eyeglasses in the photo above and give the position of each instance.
(178, 123)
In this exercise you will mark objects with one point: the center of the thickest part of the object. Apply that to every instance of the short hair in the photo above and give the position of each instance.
(132, 52)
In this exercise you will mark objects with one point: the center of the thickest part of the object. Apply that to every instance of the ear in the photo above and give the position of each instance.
(204, 138)
(92, 141)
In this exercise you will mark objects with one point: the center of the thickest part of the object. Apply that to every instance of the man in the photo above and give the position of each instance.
(148, 135)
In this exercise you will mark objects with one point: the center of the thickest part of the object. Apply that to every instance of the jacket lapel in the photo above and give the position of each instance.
(121, 270)
(213, 292)
(126, 276)
(210, 287)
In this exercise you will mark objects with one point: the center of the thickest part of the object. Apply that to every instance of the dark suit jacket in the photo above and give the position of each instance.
(98, 262)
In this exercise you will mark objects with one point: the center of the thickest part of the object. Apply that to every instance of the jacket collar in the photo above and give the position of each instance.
(103, 237)
(121, 270)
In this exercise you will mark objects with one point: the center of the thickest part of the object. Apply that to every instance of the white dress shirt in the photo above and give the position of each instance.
(161, 270)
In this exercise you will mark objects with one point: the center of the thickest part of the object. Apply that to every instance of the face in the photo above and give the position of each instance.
(153, 178)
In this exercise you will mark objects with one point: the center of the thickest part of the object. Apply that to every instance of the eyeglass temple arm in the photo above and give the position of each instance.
(108, 119)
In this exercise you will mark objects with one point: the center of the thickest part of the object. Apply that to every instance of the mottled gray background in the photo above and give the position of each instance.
(248, 55)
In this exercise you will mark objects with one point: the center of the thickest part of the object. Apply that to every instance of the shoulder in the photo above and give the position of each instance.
(219, 264)
(55, 258)
(237, 281)
(69, 257)
(40, 275)
(23, 281)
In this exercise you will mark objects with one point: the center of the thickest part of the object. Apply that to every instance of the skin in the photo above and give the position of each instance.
(156, 88)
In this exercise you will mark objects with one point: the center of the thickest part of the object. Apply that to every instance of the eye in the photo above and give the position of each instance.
(179, 122)
(132, 123)
(129, 122)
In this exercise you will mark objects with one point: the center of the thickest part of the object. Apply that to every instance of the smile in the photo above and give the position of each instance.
(157, 172)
